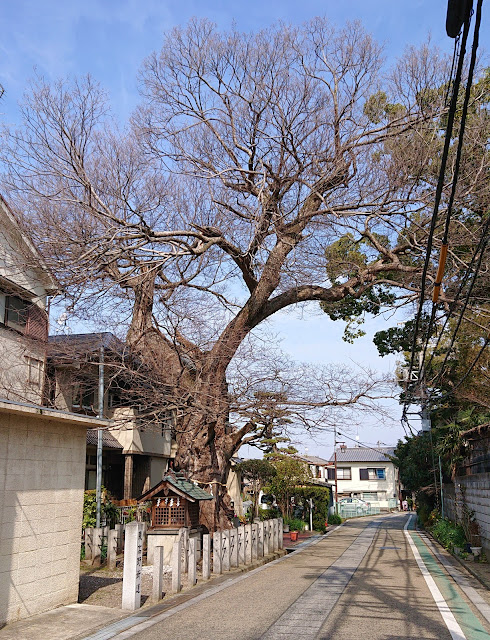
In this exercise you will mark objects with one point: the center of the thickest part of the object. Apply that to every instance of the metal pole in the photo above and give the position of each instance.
(335, 464)
(442, 493)
(98, 486)
(311, 514)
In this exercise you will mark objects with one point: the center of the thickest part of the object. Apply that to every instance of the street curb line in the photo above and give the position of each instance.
(469, 569)
(105, 633)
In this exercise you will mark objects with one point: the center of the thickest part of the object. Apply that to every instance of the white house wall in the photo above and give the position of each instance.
(387, 487)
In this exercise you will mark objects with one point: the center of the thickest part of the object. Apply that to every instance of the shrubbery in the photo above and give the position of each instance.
(450, 535)
(334, 518)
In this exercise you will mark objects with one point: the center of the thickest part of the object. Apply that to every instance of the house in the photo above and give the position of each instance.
(366, 473)
(137, 450)
(25, 285)
(469, 494)
(42, 452)
(318, 467)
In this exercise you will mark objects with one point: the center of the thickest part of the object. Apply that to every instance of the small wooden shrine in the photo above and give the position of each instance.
(175, 502)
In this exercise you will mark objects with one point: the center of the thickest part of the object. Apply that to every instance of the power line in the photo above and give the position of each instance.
(482, 243)
(439, 189)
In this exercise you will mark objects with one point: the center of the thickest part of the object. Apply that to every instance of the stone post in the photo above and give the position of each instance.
(133, 561)
(241, 544)
(97, 547)
(184, 537)
(234, 548)
(275, 544)
(120, 534)
(281, 533)
(89, 543)
(206, 556)
(266, 537)
(248, 543)
(217, 564)
(177, 566)
(225, 546)
(157, 589)
(255, 533)
(192, 563)
(260, 539)
(112, 549)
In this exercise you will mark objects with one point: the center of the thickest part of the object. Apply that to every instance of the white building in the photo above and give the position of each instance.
(42, 452)
(365, 473)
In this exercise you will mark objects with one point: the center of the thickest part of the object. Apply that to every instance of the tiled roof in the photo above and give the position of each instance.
(189, 488)
(313, 460)
(364, 454)
(181, 484)
(108, 440)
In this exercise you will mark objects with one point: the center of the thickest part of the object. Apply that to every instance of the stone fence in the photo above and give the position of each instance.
(221, 552)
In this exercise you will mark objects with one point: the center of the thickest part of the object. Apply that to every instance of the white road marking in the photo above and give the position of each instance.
(446, 613)
(461, 580)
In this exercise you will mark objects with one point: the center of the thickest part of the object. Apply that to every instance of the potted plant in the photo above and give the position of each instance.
(293, 535)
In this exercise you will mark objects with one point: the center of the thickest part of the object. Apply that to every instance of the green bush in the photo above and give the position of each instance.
(295, 524)
(423, 513)
(334, 518)
(108, 510)
(269, 514)
(450, 535)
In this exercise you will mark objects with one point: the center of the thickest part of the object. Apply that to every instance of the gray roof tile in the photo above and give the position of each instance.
(364, 454)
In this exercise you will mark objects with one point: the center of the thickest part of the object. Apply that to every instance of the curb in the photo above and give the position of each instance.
(185, 599)
(483, 581)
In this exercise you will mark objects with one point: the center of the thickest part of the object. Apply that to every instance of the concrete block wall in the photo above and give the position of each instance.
(42, 467)
(476, 490)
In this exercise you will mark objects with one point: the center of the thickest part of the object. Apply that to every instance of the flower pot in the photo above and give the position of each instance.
(293, 536)
(285, 528)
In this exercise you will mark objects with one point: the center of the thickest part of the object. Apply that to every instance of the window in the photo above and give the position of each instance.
(372, 474)
(83, 397)
(35, 369)
(343, 473)
(370, 496)
(16, 312)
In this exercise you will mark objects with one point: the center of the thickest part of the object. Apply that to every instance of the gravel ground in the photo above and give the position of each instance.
(103, 587)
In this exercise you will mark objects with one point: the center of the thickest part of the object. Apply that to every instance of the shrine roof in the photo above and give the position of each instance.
(180, 485)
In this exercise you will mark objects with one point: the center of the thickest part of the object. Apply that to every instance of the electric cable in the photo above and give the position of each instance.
(439, 188)
(444, 247)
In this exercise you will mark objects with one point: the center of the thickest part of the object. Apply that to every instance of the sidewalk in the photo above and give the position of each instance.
(77, 621)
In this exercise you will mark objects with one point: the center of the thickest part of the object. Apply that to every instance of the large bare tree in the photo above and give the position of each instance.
(250, 154)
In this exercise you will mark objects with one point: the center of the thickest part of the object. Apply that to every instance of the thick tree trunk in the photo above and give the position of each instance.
(205, 446)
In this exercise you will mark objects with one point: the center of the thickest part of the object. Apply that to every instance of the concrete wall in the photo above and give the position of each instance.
(474, 491)
(42, 466)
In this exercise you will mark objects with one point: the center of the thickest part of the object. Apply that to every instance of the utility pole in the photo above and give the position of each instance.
(335, 471)
(98, 486)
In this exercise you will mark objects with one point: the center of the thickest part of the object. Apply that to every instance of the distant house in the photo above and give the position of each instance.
(42, 452)
(365, 473)
(318, 467)
(138, 447)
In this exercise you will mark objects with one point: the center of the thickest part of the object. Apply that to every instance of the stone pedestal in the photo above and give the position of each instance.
(133, 562)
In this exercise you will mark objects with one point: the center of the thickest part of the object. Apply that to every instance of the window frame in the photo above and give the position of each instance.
(373, 477)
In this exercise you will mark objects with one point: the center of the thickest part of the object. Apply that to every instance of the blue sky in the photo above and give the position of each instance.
(109, 39)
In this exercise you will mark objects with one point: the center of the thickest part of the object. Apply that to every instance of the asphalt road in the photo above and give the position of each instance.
(362, 581)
